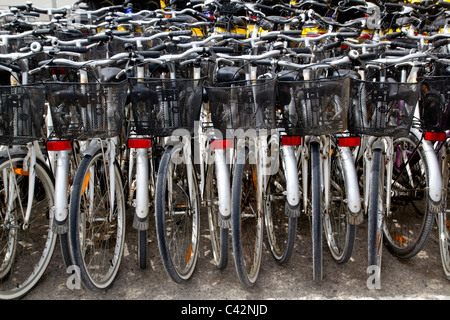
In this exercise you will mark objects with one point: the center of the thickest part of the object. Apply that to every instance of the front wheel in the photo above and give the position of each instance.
(97, 226)
(25, 249)
(410, 220)
(316, 211)
(375, 210)
(444, 216)
(177, 214)
(281, 225)
(246, 220)
(340, 234)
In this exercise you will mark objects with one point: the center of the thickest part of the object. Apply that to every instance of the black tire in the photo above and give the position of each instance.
(316, 211)
(376, 197)
(443, 218)
(179, 250)
(142, 249)
(246, 221)
(98, 258)
(26, 251)
(408, 225)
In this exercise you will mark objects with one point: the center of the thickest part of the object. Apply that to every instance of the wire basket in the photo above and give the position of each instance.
(86, 110)
(434, 103)
(240, 105)
(382, 108)
(21, 114)
(314, 107)
(161, 106)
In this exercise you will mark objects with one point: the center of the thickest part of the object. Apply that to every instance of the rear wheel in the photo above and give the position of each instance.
(410, 220)
(281, 228)
(97, 226)
(25, 249)
(177, 214)
(340, 234)
(246, 220)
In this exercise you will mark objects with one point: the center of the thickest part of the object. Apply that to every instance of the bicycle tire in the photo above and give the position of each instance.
(28, 249)
(246, 223)
(410, 220)
(316, 211)
(100, 264)
(179, 250)
(280, 227)
(142, 249)
(340, 234)
(443, 218)
(374, 212)
(219, 236)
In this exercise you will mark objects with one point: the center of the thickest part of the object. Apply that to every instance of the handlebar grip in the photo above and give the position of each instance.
(180, 20)
(31, 14)
(393, 35)
(269, 37)
(396, 53)
(159, 47)
(11, 66)
(180, 33)
(444, 4)
(292, 32)
(236, 36)
(301, 50)
(41, 32)
(150, 54)
(440, 43)
(262, 62)
(355, 3)
(194, 2)
(98, 38)
(368, 56)
(443, 55)
(222, 50)
(331, 46)
(73, 49)
(406, 45)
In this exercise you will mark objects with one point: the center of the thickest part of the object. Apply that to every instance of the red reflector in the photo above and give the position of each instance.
(139, 143)
(291, 141)
(221, 144)
(435, 136)
(349, 142)
(58, 145)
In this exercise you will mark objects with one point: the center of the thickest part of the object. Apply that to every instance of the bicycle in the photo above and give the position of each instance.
(27, 183)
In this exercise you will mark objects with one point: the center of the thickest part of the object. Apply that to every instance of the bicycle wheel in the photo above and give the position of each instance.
(96, 226)
(177, 214)
(316, 211)
(375, 210)
(443, 217)
(280, 227)
(26, 249)
(410, 220)
(219, 236)
(340, 234)
(246, 220)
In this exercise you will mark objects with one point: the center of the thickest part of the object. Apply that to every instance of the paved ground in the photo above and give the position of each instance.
(418, 278)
